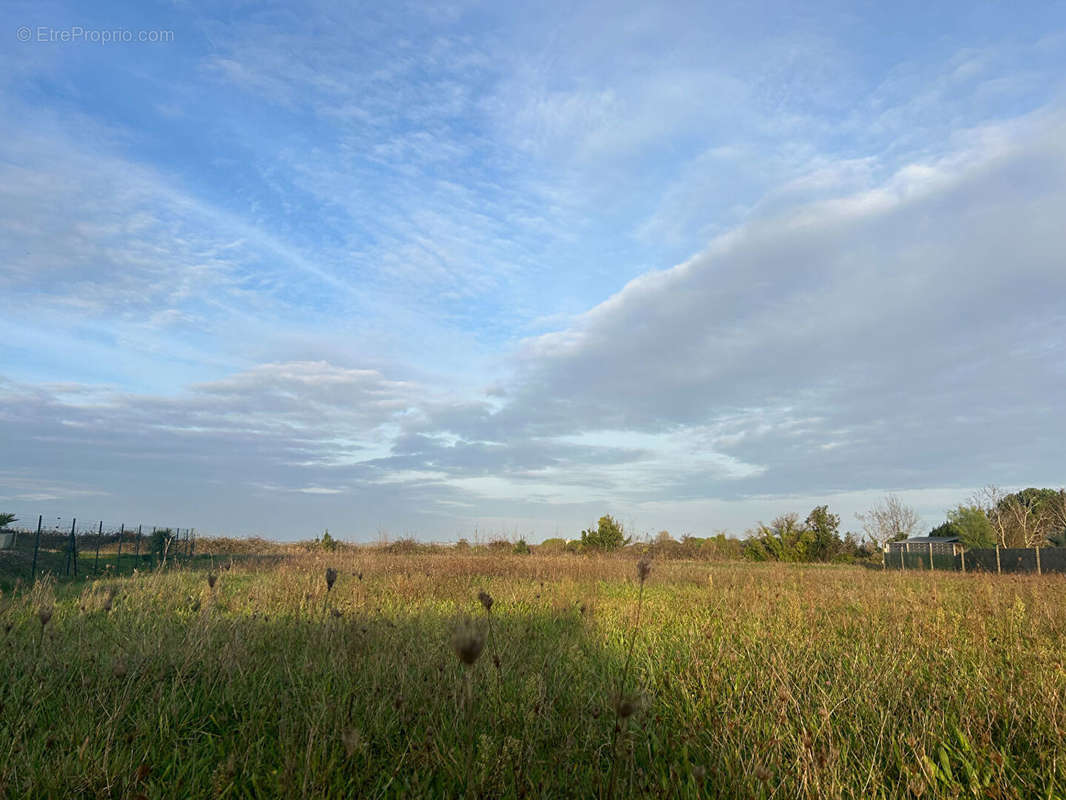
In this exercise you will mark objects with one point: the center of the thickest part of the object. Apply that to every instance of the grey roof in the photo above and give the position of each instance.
(930, 539)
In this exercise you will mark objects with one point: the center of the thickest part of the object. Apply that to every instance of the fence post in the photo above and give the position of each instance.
(902, 562)
(99, 536)
(118, 558)
(36, 547)
(962, 554)
(999, 569)
(1037, 548)
(192, 542)
(931, 557)
(72, 548)
(137, 552)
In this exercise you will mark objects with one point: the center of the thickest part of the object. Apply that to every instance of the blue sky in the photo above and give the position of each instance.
(430, 268)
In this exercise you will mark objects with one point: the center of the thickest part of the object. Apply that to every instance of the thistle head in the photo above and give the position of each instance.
(211, 579)
(643, 568)
(625, 706)
(486, 599)
(331, 578)
(468, 642)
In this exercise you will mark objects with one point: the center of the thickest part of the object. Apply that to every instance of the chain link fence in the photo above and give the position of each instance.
(995, 560)
(72, 547)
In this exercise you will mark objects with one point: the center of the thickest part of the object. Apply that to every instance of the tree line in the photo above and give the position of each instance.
(992, 516)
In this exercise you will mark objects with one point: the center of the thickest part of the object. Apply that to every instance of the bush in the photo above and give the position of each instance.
(158, 541)
(521, 548)
(406, 545)
(608, 535)
(554, 545)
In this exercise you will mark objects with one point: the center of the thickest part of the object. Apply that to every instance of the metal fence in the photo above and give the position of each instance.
(73, 547)
(996, 560)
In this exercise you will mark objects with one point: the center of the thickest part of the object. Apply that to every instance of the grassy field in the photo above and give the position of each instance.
(738, 680)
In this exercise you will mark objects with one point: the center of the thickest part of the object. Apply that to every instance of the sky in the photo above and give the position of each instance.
(483, 269)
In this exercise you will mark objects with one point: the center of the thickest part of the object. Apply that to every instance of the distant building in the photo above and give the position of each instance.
(938, 545)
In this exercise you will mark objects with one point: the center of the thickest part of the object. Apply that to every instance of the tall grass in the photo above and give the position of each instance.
(753, 681)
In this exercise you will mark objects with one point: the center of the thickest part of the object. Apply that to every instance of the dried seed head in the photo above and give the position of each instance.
(643, 568)
(626, 706)
(331, 578)
(44, 614)
(353, 742)
(109, 598)
(699, 772)
(118, 669)
(486, 599)
(211, 578)
(762, 773)
(468, 642)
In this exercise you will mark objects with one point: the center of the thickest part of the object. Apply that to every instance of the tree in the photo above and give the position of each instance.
(7, 519)
(945, 530)
(851, 548)
(972, 526)
(328, 542)
(664, 538)
(1021, 519)
(825, 528)
(608, 535)
(784, 539)
(1058, 536)
(889, 521)
(160, 543)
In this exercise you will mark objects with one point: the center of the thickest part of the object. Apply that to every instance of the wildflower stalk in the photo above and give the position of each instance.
(486, 602)
(468, 642)
(624, 706)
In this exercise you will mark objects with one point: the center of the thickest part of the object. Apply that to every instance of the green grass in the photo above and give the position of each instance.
(754, 681)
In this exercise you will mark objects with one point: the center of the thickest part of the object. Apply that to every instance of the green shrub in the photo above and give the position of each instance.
(608, 535)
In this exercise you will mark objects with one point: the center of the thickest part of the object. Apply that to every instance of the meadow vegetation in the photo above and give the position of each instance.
(365, 673)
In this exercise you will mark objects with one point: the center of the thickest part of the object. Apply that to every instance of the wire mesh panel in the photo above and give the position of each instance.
(1017, 559)
(1053, 559)
(946, 561)
(982, 560)
(88, 548)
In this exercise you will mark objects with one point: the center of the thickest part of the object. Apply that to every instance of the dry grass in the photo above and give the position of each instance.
(743, 681)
